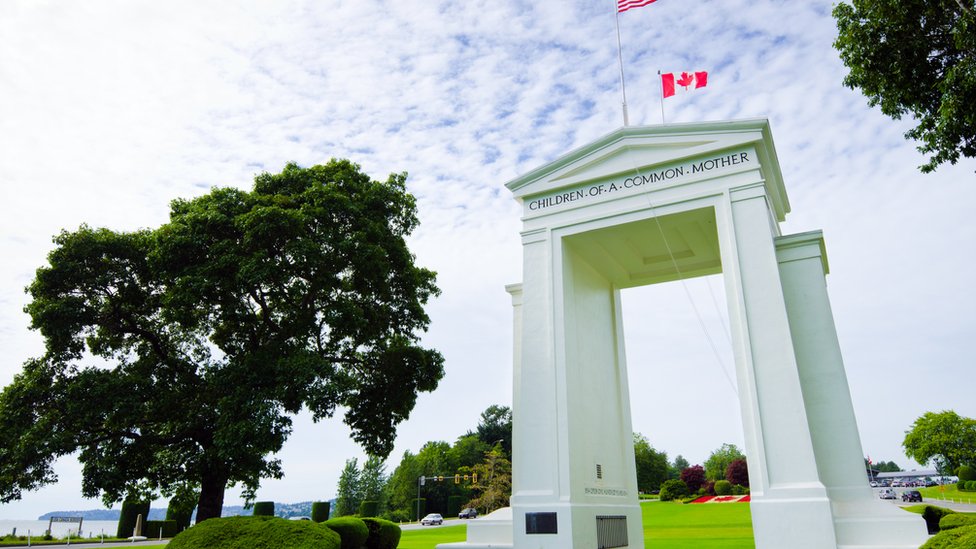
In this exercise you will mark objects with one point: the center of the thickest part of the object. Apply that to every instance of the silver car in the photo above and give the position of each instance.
(432, 518)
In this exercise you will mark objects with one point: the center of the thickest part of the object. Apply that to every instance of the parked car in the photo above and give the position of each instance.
(470, 512)
(873, 484)
(432, 518)
(911, 495)
(887, 493)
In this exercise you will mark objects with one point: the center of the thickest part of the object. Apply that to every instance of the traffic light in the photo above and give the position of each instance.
(474, 478)
(457, 478)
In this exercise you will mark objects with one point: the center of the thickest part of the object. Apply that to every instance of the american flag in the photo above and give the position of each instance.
(624, 5)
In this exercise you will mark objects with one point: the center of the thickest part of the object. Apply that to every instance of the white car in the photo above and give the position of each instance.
(432, 518)
(888, 493)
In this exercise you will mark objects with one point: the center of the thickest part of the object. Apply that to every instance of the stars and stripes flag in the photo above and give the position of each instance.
(673, 83)
(624, 5)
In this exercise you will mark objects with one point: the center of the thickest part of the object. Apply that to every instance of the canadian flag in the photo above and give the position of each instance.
(675, 83)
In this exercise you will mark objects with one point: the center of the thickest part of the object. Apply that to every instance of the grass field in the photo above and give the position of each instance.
(427, 539)
(705, 526)
(951, 492)
(666, 526)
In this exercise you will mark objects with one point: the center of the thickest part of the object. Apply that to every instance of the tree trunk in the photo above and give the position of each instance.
(211, 501)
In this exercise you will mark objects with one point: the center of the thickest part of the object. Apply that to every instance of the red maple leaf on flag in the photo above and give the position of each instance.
(686, 79)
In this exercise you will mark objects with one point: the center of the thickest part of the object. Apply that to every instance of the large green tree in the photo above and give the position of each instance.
(496, 426)
(372, 481)
(494, 484)
(652, 465)
(916, 58)
(176, 357)
(349, 490)
(719, 461)
(944, 438)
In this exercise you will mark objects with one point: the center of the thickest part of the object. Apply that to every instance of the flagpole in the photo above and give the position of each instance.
(620, 58)
(662, 97)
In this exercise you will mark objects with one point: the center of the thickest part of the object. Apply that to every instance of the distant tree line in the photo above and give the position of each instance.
(474, 471)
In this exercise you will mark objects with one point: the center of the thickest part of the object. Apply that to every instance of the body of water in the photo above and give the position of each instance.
(93, 528)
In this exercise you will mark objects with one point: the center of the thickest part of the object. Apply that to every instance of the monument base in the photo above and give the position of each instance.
(492, 531)
(848, 519)
(861, 523)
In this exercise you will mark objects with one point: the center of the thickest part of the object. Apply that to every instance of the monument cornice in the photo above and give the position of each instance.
(642, 148)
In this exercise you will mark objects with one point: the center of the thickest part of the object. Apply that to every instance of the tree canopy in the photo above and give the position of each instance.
(175, 357)
(652, 465)
(494, 484)
(719, 460)
(496, 427)
(945, 438)
(916, 58)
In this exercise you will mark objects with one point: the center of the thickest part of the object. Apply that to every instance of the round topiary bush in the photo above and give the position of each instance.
(956, 520)
(957, 538)
(256, 533)
(383, 534)
(673, 489)
(352, 530)
(933, 515)
(965, 472)
(723, 488)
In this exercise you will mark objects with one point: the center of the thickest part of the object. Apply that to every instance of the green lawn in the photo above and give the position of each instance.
(950, 492)
(699, 526)
(427, 539)
(666, 526)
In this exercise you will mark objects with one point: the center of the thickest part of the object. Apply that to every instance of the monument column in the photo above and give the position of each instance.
(790, 507)
(827, 396)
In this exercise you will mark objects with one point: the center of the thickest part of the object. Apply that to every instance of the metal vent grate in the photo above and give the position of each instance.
(599, 471)
(611, 531)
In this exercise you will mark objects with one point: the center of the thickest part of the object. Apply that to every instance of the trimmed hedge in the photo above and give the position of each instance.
(933, 515)
(956, 520)
(152, 528)
(383, 534)
(256, 533)
(352, 530)
(369, 508)
(263, 509)
(418, 510)
(723, 488)
(131, 510)
(320, 511)
(180, 511)
(957, 538)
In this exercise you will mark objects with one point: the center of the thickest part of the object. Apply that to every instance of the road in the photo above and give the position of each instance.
(954, 505)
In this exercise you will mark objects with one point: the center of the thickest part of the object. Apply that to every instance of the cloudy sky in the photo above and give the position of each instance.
(108, 110)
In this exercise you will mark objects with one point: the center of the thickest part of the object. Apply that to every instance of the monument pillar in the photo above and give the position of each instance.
(783, 478)
(860, 519)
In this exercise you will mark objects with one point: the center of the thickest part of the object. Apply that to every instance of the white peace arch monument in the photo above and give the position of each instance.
(645, 205)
